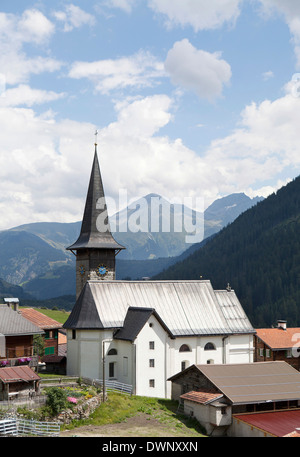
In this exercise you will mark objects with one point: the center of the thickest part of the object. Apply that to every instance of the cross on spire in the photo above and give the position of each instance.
(96, 135)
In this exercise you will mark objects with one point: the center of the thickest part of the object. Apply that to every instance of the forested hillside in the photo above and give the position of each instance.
(259, 255)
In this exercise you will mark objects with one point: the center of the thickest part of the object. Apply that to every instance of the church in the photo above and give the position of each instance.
(143, 332)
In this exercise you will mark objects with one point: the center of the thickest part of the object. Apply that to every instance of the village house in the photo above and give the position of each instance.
(142, 332)
(245, 400)
(54, 358)
(279, 343)
(16, 336)
(50, 326)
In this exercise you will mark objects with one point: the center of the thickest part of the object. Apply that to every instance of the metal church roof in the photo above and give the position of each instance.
(95, 229)
(187, 308)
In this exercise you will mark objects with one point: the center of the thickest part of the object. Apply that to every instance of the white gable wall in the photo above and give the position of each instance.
(151, 377)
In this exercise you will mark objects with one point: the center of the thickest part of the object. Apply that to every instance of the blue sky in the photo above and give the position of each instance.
(191, 99)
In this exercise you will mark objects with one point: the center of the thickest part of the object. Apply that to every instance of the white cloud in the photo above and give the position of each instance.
(17, 67)
(268, 75)
(74, 17)
(197, 70)
(290, 9)
(125, 5)
(15, 31)
(34, 26)
(25, 95)
(51, 160)
(43, 167)
(200, 14)
(31, 26)
(139, 70)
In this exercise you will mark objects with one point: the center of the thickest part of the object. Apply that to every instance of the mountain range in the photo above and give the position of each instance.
(258, 255)
(33, 257)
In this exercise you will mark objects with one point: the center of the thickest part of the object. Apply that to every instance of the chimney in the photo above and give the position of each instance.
(12, 303)
(281, 324)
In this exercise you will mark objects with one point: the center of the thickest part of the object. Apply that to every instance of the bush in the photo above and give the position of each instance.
(56, 400)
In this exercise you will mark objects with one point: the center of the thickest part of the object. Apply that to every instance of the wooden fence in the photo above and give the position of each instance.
(34, 402)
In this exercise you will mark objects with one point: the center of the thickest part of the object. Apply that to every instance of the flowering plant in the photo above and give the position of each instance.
(4, 363)
(22, 360)
(72, 399)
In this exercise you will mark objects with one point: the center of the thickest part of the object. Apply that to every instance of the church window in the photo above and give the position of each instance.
(151, 344)
(125, 366)
(151, 363)
(209, 347)
(111, 370)
(151, 383)
(184, 348)
(184, 365)
(73, 334)
(112, 352)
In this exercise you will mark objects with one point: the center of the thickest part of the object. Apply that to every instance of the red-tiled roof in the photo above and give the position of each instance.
(276, 423)
(201, 397)
(17, 374)
(40, 319)
(277, 338)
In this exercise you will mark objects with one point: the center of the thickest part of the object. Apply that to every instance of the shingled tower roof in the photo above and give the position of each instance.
(95, 229)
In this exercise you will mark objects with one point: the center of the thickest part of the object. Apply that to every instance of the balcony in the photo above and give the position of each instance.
(21, 355)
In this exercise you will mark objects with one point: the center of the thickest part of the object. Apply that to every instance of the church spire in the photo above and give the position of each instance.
(95, 230)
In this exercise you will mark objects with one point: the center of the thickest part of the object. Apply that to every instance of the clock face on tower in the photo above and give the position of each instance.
(101, 270)
(81, 269)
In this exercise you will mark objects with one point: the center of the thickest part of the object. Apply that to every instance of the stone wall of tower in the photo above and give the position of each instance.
(88, 262)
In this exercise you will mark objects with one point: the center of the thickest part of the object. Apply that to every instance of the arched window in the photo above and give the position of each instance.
(209, 347)
(112, 352)
(184, 348)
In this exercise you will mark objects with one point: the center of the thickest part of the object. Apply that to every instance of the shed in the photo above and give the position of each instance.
(215, 394)
(18, 381)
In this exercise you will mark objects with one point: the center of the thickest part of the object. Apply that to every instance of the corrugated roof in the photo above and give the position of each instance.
(254, 382)
(186, 307)
(231, 309)
(40, 319)
(277, 338)
(16, 374)
(276, 423)
(13, 323)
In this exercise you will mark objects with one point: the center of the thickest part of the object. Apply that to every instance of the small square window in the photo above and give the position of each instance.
(151, 383)
(151, 363)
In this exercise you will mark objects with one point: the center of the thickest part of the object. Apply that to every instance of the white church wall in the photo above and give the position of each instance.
(211, 350)
(151, 360)
(125, 361)
(73, 368)
(185, 353)
(240, 349)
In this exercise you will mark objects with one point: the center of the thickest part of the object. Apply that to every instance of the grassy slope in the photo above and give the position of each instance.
(118, 408)
(59, 316)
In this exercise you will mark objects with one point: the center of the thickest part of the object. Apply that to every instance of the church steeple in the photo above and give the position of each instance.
(95, 248)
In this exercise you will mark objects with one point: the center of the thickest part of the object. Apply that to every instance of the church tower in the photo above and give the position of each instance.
(95, 248)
